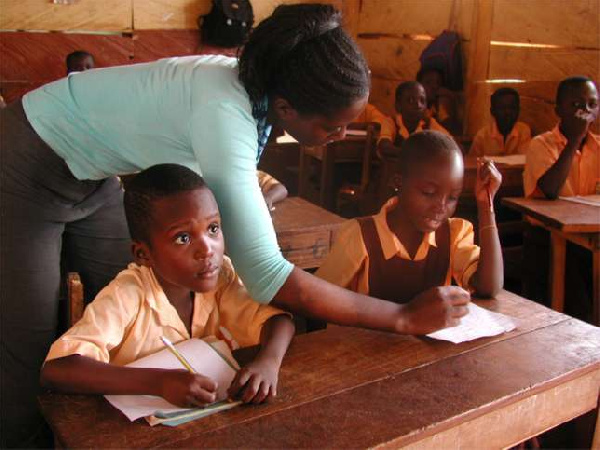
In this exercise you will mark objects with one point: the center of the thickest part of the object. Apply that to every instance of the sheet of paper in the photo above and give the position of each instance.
(478, 323)
(356, 132)
(285, 139)
(509, 160)
(592, 200)
(201, 356)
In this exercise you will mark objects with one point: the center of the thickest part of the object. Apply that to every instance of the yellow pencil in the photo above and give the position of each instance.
(178, 355)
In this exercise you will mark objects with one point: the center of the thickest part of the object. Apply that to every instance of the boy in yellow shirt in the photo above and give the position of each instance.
(411, 117)
(413, 244)
(181, 287)
(272, 189)
(505, 135)
(566, 160)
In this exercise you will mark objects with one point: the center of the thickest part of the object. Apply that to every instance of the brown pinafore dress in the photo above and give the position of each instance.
(397, 279)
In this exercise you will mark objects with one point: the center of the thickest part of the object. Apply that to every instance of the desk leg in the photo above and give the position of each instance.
(327, 174)
(557, 272)
(303, 173)
(596, 293)
(596, 441)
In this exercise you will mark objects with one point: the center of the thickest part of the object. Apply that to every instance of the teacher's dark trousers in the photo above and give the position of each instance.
(46, 215)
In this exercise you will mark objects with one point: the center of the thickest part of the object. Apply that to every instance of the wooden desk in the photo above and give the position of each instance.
(305, 231)
(512, 178)
(566, 221)
(347, 387)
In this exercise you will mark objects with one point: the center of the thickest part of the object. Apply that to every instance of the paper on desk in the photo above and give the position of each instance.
(478, 323)
(509, 160)
(592, 200)
(207, 359)
(285, 139)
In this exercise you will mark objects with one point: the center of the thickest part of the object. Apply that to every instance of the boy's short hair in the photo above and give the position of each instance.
(74, 57)
(228, 24)
(405, 86)
(567, 84)
(422, 147)
(152, 184)
(502, 92)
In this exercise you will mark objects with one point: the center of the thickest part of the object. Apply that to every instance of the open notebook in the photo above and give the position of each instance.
(213, 360)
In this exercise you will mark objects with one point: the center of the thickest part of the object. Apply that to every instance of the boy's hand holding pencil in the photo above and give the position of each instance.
(487, 184)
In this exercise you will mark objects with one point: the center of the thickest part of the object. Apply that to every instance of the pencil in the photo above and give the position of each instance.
(178, 355)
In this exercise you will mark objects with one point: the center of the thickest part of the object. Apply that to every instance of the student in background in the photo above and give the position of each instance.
(411, 116)
(441, 101)
(414, 244)
(80, 61)
(387, 129)
(566, 160)
(226, 27)
(181, 287)
(504, 135)
(272, 189)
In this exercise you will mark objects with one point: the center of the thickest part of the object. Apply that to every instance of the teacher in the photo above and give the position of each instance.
(64, 145)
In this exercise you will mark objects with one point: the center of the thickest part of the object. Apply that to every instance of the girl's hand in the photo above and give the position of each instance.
(187, 390)
(488, 182)
(256, 382)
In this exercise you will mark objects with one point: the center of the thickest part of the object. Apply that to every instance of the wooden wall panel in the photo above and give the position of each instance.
(382, 94)
(150, 45)
(431, 17)
(393, 57)
(572, 23)
(104, 15)
(41, 56)
(264, 8)
(168, 14)
(542, 64)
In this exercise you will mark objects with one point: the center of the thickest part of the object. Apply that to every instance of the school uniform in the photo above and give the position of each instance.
(266, 182)
(372, 114)
(544, 151)
(489, 141)
(402, 131)
(368, 258)
(128, 317)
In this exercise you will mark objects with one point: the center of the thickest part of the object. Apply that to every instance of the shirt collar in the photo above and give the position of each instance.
(390, 243)
(496, 132)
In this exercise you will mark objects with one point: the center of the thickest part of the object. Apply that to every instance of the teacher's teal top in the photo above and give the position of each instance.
(191, 111)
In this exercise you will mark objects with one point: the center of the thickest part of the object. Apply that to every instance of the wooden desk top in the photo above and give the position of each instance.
(296, 214)
(563, 215)
(347, 387)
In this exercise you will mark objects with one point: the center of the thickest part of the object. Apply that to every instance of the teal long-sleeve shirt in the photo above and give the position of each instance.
(191, 111)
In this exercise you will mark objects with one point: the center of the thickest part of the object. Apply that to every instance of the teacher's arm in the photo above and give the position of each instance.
(225, 142)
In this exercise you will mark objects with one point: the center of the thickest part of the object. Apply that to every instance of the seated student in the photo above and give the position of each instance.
(180, 286)
(566, 160)
(504, 135)
(387, 129)
(80, 61)
(226, 27)
(413, 244)
(441, 101)
(411, 116)
(272, 189)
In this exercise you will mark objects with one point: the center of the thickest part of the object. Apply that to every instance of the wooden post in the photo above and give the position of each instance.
(351, 12)
(476, 91)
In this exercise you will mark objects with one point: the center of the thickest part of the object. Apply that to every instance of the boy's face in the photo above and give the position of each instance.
(429, 195)
(506, 112)
(582, 96)
(412, 103)
(312, 130)
(186, 243)
(83, 64)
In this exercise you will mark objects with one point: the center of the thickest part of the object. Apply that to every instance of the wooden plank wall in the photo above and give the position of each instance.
(36, 35)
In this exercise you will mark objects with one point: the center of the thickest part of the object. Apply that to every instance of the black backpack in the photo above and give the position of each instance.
(445, 55)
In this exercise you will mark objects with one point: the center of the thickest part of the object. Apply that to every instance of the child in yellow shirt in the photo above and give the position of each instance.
(411, 117)
(272, 189)
(505, 135)
(414, 244)
(181, 287)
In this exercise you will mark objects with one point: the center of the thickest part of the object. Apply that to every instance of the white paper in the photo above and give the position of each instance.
(509, 160)
(201, 356)
(350, 132)
(285, 139)
(478, 323)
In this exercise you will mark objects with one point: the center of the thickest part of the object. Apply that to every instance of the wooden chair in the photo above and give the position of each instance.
(75, 303)
(349, 150)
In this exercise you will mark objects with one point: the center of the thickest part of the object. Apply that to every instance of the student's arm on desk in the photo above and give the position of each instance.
(436, 308)
(77, 374)
(553, 180)
(257, 381)
(275, 194)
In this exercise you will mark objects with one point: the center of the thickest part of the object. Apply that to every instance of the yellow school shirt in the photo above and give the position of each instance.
(266, 181)
(433, 125)
(489, 141)
(544, 151)
(372, 114)
(348, 263)
(127, 318)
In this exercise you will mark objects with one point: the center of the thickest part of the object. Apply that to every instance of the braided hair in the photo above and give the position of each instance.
(302, 54)
(156, 182)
